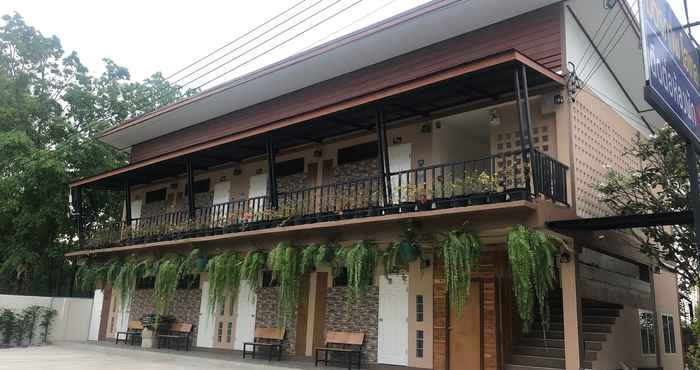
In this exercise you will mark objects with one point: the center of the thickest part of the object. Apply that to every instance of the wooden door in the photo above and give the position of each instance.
(225, 317)
(114, 314)
(320, 309)
(465, 332)
(302, 317)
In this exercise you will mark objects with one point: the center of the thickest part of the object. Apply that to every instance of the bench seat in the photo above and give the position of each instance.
(269, 338)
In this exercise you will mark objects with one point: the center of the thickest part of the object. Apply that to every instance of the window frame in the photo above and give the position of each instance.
(651, 335)
(669, 334)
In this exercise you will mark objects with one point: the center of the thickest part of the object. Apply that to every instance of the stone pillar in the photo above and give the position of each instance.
(573, 338)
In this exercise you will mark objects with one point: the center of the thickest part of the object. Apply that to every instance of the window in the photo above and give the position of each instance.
(290, 167)
(229, 330)
(341, 279)
(419, 307)
(669, 334)
(156, 195)
(267, 280)
(646, 324)
(201, 186)
(358, 152)
(420, 343)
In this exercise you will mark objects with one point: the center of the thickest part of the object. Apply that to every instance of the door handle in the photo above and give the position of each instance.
(381, 319)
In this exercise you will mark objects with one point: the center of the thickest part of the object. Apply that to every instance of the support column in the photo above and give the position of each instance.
(573, 336)
(692, 164)
(382, 156)
(522, 125)
(271, 177)
(190, 187)
(527, 164)
(78, 207)
(127, 204)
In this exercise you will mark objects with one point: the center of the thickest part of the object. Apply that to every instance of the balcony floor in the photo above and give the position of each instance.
(503, 208)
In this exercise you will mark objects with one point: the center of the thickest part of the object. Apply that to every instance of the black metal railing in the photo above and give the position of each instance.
(493, 179)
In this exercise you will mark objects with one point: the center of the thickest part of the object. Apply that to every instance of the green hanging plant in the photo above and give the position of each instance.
(325, 254)
(252, 268)
(460, 251)
(285, 263)
(308, 258)
(402, 252)
(531, 254)
(360, 260)
(224, 278)
(167, 276)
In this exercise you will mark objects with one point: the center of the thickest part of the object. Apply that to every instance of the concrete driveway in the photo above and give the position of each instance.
(83, 356)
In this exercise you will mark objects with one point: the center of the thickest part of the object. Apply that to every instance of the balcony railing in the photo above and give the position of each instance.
(494, 179)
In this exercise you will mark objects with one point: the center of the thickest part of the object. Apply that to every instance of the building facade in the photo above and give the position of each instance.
(451, 115)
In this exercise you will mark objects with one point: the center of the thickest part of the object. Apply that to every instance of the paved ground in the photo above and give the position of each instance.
(82, 356)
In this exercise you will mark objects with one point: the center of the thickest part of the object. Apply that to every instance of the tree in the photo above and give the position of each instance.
(659, 184)
(50, 108)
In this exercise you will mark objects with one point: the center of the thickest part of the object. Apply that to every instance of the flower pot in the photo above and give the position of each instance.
(405, 207)
(478, 198)
(424, 205)
(390, 210)
(516, 194)
(497, 197)
(460, 201)
(442, 203)
(347, 214)
(147, 336)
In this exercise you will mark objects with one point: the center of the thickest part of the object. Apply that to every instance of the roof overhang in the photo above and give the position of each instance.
(425, 25)
(625, 61)
(493, 72)
(624, 222)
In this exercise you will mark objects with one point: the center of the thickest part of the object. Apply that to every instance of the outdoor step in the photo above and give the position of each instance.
(559, 334)
(608, 312)
(525, 367)
(590, 328)
(597, 304)
(586, 319)
(548, 352)
(546, 362)
(557, 343)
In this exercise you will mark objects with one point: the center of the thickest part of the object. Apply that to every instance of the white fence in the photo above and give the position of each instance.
(72, 321)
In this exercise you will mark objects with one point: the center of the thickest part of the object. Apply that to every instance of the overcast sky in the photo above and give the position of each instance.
(148, 35)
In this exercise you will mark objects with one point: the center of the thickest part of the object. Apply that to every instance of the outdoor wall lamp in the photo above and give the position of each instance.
(236, 171)
(558, 99)
(564, 257)
(494, 118)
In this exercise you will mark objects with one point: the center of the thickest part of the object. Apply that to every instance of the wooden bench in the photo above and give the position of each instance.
(341, 342)
(133, 330)
(178, 333)
(268, 338)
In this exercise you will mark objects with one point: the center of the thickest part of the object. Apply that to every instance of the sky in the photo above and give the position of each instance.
(157, 35)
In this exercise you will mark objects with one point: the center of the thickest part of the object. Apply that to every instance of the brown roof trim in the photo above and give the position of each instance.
(294, 59)
(501, 58)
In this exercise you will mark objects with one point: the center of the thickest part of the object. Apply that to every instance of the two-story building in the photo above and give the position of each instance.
(450, 114)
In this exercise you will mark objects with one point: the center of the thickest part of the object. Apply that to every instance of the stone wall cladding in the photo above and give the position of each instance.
(355, 170)
(266, 316)
(291, 183)
(184, 306)
(361, 317)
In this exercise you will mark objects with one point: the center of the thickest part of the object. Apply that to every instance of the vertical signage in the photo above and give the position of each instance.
(672, 69)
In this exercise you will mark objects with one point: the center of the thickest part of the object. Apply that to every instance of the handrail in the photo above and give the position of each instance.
(495, 178)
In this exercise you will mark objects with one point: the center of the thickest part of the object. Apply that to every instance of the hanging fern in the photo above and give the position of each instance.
(126, 280)
(460, 251)
(325, 254)
(285, 263)
(531, 254)
(167, 276)
(401, 252)
(360, 260)
(308, 258)
(224, 278)
(252, 268)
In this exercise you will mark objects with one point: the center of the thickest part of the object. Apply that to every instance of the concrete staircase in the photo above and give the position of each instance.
(535, 351)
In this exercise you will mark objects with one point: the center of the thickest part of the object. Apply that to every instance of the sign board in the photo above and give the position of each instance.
(672, 69)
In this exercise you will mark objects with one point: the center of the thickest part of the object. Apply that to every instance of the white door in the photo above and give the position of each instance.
(393, 321)
(123, 317)
(399, 160)
(245, 316)
(96, 316)
(205, 328)
(135, 210)
(258, 188)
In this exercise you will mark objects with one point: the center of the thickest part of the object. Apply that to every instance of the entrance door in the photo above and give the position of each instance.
(97, 302)
(245, 316)
(224, 319)
(222, 192)
(393, 321)
(399, 160)
(207, 323)
(258, 188)
(465, 332)
(118, 319)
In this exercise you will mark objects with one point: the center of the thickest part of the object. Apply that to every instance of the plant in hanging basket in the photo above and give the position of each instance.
(460, 251)
(360, 259)
(252, 268)
(401, 252)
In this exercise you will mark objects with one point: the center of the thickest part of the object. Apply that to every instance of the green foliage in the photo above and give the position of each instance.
(47, 316)
(224, 278)
(285, 263)
(401, 252)
(460, 252)
(315, 255)
(30, 315)
(170, 270)
(361, 261)
(252, 268)
(50, 108)
(660, 164)
(8, 323)
(531, 254)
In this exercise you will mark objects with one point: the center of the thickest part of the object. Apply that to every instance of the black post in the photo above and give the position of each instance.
(78, 206)
(694, 202)
(521, 121)
(190, 189)
(127, 205)
(527, 171)
(381, 160)
(271, 177)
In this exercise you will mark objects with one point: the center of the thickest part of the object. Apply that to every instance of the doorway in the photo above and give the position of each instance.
(465, 332)
(392, 346)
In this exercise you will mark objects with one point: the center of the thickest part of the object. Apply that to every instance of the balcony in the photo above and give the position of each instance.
(442, 186)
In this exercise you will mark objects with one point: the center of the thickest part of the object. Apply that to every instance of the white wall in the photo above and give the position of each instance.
(72, 320)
